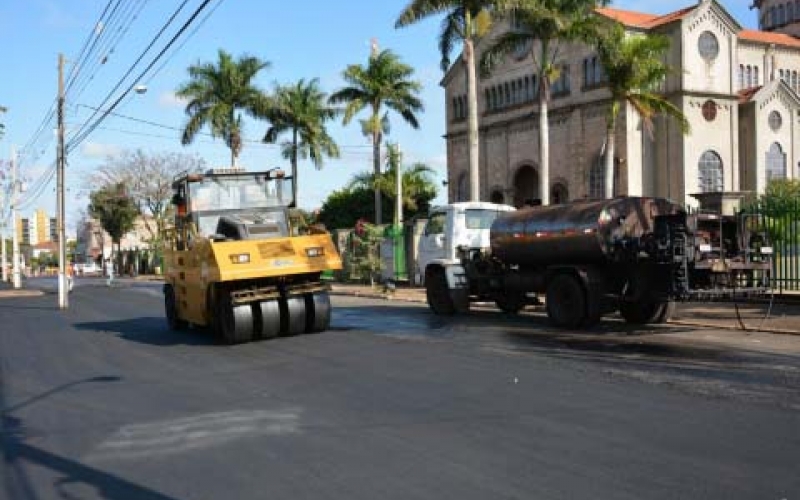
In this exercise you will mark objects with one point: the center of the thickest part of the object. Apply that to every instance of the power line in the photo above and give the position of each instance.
(82, 136)
(86, 129)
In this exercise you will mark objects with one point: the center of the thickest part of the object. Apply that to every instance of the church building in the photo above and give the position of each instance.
(737, 87)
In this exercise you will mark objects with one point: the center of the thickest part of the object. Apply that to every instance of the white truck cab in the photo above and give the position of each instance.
(454, 225)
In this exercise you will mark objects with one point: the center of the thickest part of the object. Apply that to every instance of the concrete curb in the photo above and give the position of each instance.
(6, 294)
(680, 322)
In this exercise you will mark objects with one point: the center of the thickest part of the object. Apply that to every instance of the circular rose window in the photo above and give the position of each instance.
(708, 45)
(775, 121)
(710, 110)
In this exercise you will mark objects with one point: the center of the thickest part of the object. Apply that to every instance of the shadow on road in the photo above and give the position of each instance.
(19, 456)
(151, 331)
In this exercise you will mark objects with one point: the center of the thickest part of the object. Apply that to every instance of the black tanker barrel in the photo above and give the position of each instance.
(581, 232)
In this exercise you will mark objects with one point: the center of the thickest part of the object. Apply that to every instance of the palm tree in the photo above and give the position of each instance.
(302, 110)
(383, 82)
(217, 94)
(548, 22)
(417, 186)
(634, 67)
(466, 21)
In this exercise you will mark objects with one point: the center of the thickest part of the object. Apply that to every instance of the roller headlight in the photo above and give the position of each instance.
(704, 248)
(240, 258)
(767, 250)
(315, 251)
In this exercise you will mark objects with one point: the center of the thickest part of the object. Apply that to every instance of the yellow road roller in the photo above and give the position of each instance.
(241, 260)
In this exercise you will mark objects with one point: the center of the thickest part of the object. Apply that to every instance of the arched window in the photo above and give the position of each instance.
(710, 173)
(776, 162)
(755, 76)
(559, 194)
(527, 84)
(535, 85)
(790, 12)
(797, 10)
(507, 95)
(781, 15)
(773, 16)
(749, 76)
(597, 179)
(462, 187)
(487, 97)
(587, 78)
(494, 98)
(794, 80)
(740, 76)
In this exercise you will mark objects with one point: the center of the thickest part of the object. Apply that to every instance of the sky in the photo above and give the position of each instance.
(301, 39)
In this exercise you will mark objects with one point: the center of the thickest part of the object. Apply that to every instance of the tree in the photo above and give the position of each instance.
(302, 110)
(418, 189)
(2, 126)
(343, 207)
(116, 211)
(634, 67)
(383, 82)
(218, 94)
(466, 21)
(543, 24)
(148, 178)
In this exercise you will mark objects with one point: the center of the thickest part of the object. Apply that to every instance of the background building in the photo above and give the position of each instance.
(738, 88)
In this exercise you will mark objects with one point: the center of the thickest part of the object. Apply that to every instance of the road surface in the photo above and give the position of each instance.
(102, 401)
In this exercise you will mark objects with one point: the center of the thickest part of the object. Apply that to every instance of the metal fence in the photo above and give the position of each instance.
(782, 222)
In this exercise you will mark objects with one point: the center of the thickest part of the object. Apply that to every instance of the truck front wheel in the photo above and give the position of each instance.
(438, 293)
(566, 301)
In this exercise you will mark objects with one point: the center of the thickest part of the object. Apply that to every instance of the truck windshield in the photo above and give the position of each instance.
(239, 192)
(479, 218)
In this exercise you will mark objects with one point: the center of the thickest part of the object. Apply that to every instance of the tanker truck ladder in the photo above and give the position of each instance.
(680, 266)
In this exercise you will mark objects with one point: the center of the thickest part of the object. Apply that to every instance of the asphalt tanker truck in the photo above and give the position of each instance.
(634, 255)
(242, 261)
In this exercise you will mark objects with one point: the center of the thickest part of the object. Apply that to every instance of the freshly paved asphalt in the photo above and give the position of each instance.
(102, 401)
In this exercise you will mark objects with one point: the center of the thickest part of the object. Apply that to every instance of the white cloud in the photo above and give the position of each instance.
(170, 100)
(100, 151)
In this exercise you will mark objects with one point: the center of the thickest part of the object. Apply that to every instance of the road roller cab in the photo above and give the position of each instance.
(240, 259)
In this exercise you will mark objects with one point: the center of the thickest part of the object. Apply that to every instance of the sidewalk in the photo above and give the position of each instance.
(781, 317)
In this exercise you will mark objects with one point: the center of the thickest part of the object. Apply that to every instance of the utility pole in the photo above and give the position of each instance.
(3, 234)
(399, 240)
(60, 164)
(15, 271)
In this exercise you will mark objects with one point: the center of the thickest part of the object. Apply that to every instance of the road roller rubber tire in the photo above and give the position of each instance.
(171, 310)
(269, 319)
(293, 315)
(234, 324)
(318, 312)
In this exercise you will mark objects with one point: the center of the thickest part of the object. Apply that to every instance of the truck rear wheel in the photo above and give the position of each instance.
(234, 323)
(646, 311)
(566, 301)
(511, 303)
(318, 312)
(438, 293)
(293, 315)
(171, 309)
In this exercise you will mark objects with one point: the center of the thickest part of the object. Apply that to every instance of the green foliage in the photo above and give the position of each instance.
(344, 207)
(302, 111)
(780, 208)
(2, 126)
(218, 93)
(634, 68)
(384, 83)
(114, 208)
(363, 259)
